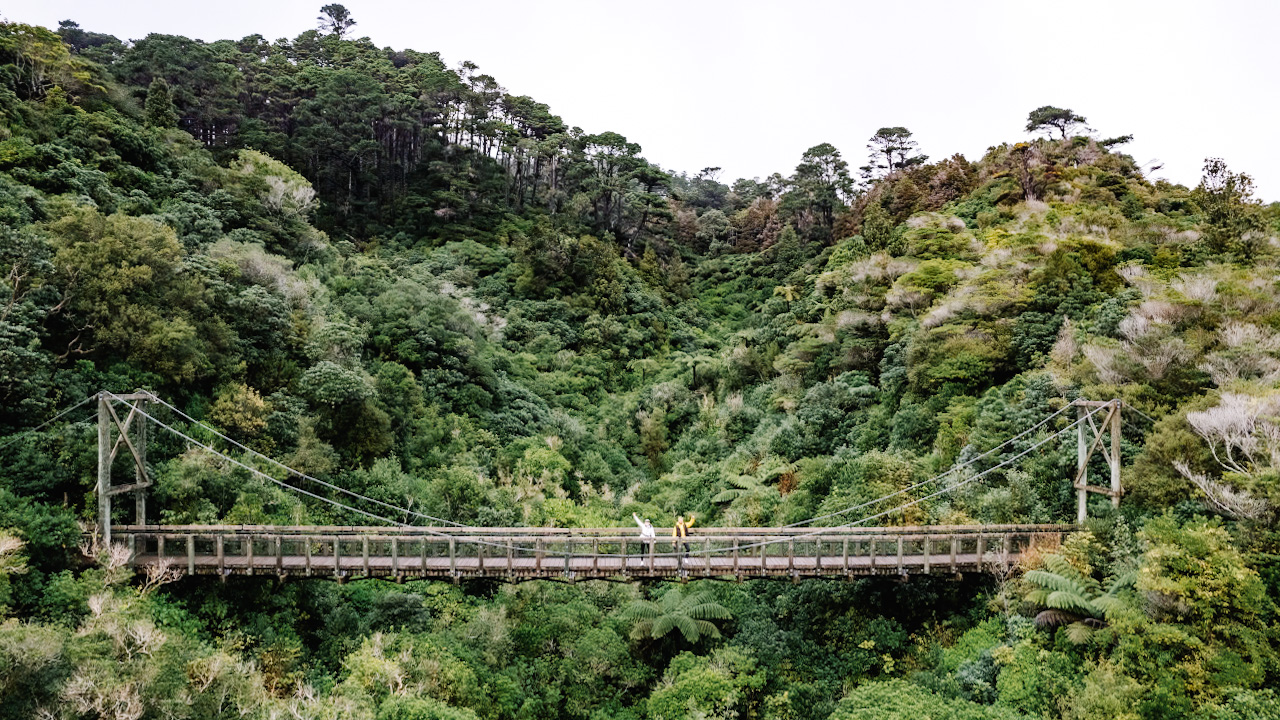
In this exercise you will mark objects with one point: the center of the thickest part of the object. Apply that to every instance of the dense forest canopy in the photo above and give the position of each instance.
(399, 278)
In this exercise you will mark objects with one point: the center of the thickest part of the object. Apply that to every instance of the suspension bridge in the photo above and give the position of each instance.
(419, 545)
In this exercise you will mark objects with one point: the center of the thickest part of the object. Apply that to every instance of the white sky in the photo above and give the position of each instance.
(749, 85)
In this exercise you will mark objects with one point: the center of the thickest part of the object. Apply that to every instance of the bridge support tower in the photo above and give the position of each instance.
(114, 434)
(1089, 440)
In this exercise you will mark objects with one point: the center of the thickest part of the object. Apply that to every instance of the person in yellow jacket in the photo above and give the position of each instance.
(680, 533)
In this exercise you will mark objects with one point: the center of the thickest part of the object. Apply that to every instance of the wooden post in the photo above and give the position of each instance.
(249, 562)
(191, 554)
(104, 469)
(222, 559)
(537, 556)
(307, 542)
(706, 553)
(337, 556)
(1082, 467)
(279, 554)
(927, 553)
(453, 558)
(735, 558)
(872, 552)
(899, 554)
(364, 552)
(1115, 454)
(954, 540)
(844, 557)
(140, 495)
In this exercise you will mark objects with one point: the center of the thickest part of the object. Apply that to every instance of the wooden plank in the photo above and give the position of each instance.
(1115, 456)
(1099, 490)
(124, 435)
(104, 470)
(131, 487)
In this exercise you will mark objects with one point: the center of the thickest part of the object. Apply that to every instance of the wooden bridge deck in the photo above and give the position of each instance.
(578, 554)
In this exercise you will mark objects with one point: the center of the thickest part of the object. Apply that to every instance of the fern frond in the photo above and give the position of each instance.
(687, 625)
(1078, 633)
(1070, 601)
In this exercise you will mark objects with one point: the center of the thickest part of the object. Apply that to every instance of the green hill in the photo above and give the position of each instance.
(400, 278)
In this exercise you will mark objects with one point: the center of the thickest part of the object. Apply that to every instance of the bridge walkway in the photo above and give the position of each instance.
(577, 554)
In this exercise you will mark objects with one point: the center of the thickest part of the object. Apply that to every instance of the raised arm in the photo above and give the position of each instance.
(637, 519)
(692, 520)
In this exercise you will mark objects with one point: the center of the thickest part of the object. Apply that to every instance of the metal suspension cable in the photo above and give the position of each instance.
(335, 503)
(917, 501)
(1148, 417)
(922, 483)
(305, 476)
(44, 424)
(478, 541)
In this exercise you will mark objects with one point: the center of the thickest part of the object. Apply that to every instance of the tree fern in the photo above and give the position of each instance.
(690, 614)
(1073, 600)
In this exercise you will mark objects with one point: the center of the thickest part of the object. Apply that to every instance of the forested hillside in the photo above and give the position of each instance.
(400, 278)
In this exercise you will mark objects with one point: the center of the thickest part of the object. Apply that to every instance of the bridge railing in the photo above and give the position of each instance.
(593, 552)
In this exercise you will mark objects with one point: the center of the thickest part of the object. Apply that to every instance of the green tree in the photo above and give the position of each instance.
(160, 111)
(1049, 118)
(335, 20)
(1230, 212)
(1074, 600)
(891, 149)
(690, 613)
(819, 186)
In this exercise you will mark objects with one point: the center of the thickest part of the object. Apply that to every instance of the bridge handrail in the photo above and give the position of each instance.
(556, 533)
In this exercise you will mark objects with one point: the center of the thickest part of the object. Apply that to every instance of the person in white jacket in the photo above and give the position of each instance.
(647, 533)
(646, 528)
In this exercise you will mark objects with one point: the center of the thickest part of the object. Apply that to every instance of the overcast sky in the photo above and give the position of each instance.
(748, 86)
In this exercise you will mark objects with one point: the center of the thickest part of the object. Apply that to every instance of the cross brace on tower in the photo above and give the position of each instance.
(1110, 425)
(133, 438)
